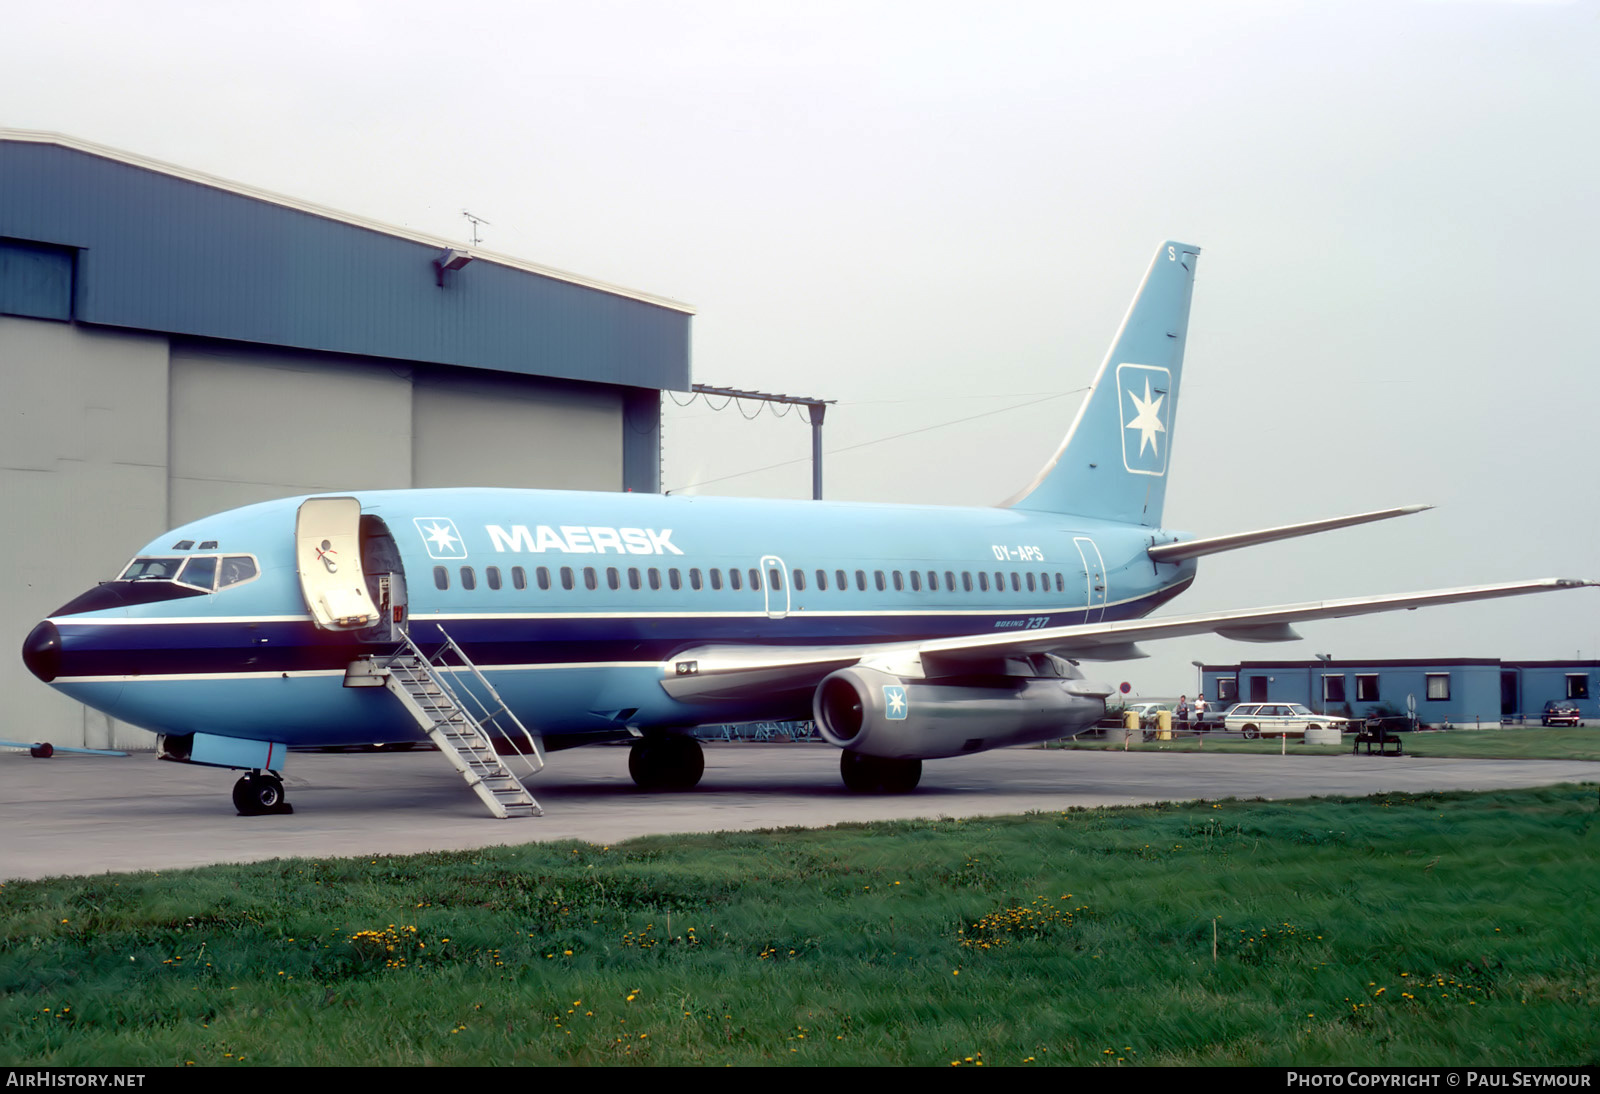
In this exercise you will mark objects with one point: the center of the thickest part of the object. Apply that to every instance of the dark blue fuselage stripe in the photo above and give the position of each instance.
(125, 649)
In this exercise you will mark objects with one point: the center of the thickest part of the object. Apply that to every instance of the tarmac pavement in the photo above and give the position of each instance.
(80, 815)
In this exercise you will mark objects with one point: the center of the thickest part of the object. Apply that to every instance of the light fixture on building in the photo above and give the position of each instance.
(451, 260)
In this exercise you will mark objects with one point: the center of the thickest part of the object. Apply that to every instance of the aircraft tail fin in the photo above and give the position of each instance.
(1113, 463)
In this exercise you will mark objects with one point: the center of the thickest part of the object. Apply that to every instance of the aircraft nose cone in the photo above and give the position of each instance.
(41, 652)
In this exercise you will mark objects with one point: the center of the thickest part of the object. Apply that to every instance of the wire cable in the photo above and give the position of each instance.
(882, 440)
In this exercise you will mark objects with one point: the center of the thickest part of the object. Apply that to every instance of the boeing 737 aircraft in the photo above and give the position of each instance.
(558, 618)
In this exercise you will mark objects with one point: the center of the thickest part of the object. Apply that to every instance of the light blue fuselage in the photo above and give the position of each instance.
(247, 661)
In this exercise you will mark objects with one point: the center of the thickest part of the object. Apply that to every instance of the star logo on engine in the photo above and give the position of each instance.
(441, 538)
(894, 702)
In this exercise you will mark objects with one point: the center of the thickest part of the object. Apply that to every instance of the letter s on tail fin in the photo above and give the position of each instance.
(1113, 463)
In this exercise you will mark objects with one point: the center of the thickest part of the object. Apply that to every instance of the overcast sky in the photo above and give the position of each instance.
(929, 211)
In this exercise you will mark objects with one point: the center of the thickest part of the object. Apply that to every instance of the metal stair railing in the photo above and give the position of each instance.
(486, 714)
(423, 683)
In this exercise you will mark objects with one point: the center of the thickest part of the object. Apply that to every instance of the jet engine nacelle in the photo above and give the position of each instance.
(879, 714)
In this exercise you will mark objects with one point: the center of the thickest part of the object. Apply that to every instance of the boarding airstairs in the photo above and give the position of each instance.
(463, 725)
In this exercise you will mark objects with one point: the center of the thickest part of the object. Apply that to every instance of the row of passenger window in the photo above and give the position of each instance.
(914, 580)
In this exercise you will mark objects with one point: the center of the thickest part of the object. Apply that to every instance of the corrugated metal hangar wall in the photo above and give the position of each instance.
(173, 345)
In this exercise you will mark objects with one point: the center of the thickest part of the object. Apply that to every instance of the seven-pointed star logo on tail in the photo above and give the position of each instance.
(1148, 423)
(441, 537)
(1146, 414)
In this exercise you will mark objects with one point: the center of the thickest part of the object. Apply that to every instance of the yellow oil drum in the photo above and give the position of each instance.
(1163, 725)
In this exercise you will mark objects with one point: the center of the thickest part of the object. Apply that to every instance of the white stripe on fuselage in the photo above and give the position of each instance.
(641, 613)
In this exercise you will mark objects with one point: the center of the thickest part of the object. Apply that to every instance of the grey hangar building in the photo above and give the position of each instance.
(174, 344)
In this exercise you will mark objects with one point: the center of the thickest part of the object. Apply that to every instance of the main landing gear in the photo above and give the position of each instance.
(865, 774)
(666, 762)
(259, 792)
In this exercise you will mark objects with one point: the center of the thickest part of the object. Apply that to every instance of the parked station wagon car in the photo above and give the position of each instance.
(1277, 720)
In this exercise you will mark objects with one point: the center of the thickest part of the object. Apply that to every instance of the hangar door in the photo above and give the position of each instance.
(251, 424)
(515, 431)
(248, 426)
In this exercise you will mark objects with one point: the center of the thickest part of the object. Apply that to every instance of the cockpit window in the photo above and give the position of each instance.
(200, 571)
(151, 569)
(204, 572)
(236, 568)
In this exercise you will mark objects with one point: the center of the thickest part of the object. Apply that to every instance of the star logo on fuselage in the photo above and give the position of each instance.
(441, 538)
(894, 702)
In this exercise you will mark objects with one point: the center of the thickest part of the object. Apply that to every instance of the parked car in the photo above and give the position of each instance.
(1277, 720)
(1560, 712)
(1147, 713)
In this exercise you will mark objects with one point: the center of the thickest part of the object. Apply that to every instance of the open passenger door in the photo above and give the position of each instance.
(328, 556)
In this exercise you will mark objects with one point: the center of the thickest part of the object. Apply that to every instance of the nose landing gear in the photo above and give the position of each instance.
(259, 793)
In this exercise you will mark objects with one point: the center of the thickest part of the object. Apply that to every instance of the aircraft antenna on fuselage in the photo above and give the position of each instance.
(1113, 463)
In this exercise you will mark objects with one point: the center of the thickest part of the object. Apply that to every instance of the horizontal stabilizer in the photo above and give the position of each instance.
(1194, 548)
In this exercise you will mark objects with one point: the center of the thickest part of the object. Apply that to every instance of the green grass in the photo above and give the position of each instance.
(1510, 743)
(1399, 930)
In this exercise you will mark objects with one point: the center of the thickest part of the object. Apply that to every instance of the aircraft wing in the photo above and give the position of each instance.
(1113, 641)
(712, 673)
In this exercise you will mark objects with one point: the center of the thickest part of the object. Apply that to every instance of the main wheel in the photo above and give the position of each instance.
(256, 794)
(673, 762)
(864, 774)
(1250, 733)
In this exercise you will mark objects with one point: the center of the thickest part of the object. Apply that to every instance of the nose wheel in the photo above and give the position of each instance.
(259, 793)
